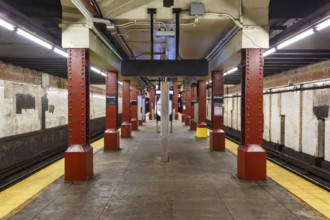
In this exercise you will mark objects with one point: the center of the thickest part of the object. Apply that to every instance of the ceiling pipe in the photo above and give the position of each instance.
(89, 16)
(222, 43)
(152, 11)
(177, 12)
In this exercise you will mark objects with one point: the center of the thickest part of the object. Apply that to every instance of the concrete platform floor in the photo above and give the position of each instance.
(196, 184)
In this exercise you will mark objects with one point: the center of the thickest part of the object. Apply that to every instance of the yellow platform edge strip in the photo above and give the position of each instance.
(314, 196)
(17, 196)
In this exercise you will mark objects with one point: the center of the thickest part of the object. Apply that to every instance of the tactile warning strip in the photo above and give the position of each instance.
(18, 195)
(313, 195)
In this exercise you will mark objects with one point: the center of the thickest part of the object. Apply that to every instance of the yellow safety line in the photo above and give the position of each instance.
(17, 196)
(313, 195)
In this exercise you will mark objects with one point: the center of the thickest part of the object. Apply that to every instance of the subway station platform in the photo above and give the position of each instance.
(134, 184)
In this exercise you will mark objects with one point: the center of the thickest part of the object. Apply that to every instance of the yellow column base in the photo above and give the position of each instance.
(202, 132)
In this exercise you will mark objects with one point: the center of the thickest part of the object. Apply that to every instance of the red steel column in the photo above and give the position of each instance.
(188, 107)
(183, 98)
(151, 103)
(126, 126)
(175, 101)
(202, 104)
(111, 134)
(140, 110)
(217, 134)
(79, 155)
(251, 158)
(144, 105)
(193, 123)
(134, 120)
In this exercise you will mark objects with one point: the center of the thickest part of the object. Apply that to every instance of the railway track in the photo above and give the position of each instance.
(21, 171)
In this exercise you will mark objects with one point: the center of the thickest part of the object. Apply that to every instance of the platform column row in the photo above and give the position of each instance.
(188, 107)
(202, 130)
(183, 99)
(134, 120)
(193, 122)
(175, 101)
(111, 134)
(151, 103)
(217, 134)
(126, 126)
(140, 104)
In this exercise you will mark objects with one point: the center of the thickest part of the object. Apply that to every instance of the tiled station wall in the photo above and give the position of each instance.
(34, 114)
(296, 109)
(31, 101)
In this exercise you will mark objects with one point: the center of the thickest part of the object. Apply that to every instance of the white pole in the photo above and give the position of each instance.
(164, 119)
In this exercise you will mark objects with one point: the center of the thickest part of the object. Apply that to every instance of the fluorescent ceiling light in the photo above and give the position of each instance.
(231, 71)
(270, 51)
(296, 38)
(60, 52)
(323, 25)
(34, 38)
(6, 25)
(94, 69)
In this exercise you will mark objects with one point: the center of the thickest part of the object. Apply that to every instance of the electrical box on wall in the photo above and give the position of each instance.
(197, 9)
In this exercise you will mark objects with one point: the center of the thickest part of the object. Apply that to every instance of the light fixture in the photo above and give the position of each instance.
(268, 52)
(165, 33)
(6, 25)
(81, 7)
(120, 82)
(60, 52)
(323, 25)
(296, 38)
(231, 71)
(34, 38)
(96, 70)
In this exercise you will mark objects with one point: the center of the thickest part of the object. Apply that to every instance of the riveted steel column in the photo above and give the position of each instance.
(152, 103)
(111, 134)
(183, 98)
(134, 120)
(193, 123)
(79, 155)
(144, 105)
(188, 107)
(126, 126)
(175, 101)
(251, 158)
(140, 107)
(217, 135)
(201, 131)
